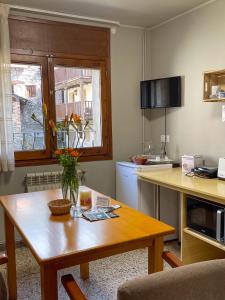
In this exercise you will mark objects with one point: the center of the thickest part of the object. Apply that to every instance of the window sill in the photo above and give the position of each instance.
(51, 161)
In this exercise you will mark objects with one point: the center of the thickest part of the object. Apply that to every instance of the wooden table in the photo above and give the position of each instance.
(59, 242)
(195, 247)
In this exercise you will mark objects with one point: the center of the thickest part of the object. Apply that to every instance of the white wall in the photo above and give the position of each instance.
(188, 46)
(126, 62)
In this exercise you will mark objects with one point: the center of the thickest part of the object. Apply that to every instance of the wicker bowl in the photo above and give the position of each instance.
(60, 206)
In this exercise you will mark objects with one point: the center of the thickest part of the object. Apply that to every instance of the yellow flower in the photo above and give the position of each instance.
(52, 125)
(71, 117)
(65, 122)
(45, 110)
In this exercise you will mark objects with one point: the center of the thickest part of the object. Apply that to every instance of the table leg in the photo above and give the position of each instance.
(84, 271)
(49, 286)
(155, 261)
(10, 251)
(157, 201)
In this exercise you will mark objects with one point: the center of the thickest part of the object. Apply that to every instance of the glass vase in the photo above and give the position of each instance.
(70, 187)
(70, 194)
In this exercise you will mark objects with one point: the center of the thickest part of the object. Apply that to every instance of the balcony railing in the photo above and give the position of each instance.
(81, 108)
(28, 141)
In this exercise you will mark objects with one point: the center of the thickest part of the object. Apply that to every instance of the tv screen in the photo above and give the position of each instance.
(161, 93)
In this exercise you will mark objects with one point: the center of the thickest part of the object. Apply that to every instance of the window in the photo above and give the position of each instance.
(67, 83)
(27, 99)
(31, 90)
(82, 94)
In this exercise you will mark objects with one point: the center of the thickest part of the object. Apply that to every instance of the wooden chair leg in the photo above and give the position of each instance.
(72, 289)
(171, 259)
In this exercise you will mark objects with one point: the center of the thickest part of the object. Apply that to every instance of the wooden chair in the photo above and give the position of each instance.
(75, 293)
(3, 290)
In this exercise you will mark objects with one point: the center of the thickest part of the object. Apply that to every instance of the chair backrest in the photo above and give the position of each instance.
(199, 281)
(3, 292)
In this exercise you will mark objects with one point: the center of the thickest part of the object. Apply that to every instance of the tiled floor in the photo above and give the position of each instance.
(105, 274)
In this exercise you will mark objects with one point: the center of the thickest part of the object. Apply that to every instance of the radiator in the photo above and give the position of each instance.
(43, 181)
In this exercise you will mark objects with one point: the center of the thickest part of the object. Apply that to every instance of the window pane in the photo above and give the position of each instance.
(27, 100)
(78, 91)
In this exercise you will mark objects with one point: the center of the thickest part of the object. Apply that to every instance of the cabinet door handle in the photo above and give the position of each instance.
(219, 215)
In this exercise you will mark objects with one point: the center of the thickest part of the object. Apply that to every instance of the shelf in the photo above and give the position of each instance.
(214, 100)
(204, 238)
(213, 79)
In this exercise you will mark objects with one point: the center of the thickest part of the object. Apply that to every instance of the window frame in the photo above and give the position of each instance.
(87, 64)
(35, 37)
(41, 61)
(39, 157)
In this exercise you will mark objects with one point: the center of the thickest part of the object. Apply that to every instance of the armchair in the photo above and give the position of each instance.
(199, 281)
(75, 293)
(3, 291)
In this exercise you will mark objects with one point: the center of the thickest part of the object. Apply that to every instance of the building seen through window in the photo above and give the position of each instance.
(77, 90)
(27, 98)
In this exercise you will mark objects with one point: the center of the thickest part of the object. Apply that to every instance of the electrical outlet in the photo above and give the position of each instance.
(162, 138)
(165, 138)
(223, 113)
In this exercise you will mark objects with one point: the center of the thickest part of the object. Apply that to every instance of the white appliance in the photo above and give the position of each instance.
(221, 168)
(140, 195)
(191, 161)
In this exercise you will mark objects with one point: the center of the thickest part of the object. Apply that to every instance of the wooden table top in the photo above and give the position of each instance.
(212, 189)
(50, 237)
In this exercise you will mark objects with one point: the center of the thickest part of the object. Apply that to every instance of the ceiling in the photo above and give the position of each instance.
(145, 13)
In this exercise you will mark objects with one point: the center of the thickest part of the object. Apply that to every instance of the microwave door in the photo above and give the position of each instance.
(206, 218)
(220, 225)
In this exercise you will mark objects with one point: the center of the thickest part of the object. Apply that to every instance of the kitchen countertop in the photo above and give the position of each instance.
(211, 189)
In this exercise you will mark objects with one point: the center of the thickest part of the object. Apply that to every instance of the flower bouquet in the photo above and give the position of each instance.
(73, 134)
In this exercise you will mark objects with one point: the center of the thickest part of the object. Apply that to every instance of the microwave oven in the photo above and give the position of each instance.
(206, 217)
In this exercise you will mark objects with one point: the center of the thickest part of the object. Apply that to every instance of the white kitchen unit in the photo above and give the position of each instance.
(140, 195)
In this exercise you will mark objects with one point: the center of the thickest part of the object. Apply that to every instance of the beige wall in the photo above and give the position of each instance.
(126, 62)
(188, 46)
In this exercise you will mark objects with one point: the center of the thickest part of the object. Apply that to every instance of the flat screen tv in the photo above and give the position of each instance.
(161, 93)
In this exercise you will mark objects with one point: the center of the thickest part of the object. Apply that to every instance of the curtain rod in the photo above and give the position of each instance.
(65, 15)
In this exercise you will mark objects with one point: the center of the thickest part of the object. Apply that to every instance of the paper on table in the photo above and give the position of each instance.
(102, 201)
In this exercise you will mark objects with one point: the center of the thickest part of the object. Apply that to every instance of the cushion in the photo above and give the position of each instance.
(199, 281)
(3, 293)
